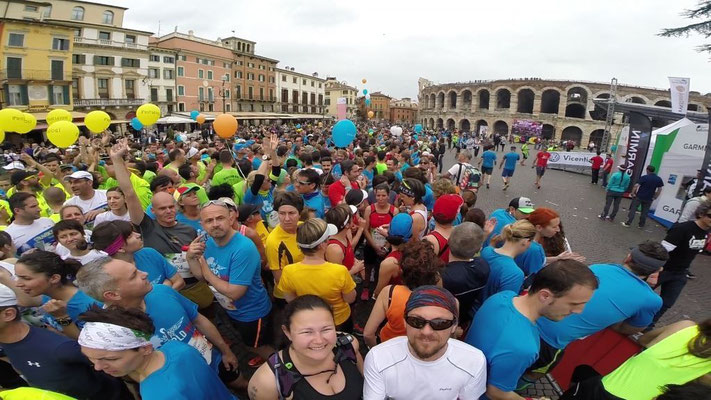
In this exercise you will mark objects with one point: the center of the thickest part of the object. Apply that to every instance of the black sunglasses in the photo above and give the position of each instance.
(437, 324)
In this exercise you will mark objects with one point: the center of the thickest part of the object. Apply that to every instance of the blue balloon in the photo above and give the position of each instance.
(367, 102)
(298, 126)
(194, 114)
(418, 128)
(136, 124)
(365, 91)
(343, 133)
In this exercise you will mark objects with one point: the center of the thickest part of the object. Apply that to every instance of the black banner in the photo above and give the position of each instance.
(637, 145)
(706, 166)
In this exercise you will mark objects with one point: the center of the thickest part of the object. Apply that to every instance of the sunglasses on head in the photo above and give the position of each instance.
(437, 324)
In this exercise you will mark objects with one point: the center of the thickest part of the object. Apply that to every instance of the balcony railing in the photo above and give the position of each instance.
(111, 43)
(107, 102)
(33, 75)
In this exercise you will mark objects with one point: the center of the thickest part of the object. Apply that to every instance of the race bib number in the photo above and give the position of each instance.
(201, 344)
(224, 301)
(180, 263)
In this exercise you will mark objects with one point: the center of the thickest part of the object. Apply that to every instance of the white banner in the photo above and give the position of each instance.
(341, 100)
(577, 159)
(679, 88)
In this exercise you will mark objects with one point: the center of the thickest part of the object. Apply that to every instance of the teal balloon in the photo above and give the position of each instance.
(367, 102)
(343, 133)
(365, 91)
(613, 148)
(298, 126)
(194, 114)
(136, 124)
(418, 128)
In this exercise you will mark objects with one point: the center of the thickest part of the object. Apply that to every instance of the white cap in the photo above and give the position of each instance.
(80, 175)
(7, 297)
(15, 165)
(192, 152)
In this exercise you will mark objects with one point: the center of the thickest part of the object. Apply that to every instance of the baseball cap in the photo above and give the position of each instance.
(183, 189)
(7, 296)
(15, 165)
(19, 176)
(192, 152)
(401, 226)
(80, 175)
(447, 206)
(523, 204)
(246, 211)
(356, 197)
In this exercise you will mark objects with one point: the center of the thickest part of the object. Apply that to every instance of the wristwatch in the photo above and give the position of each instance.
(64, 321)
(266, 157)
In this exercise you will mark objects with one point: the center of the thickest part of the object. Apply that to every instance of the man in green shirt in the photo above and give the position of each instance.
(227, 174)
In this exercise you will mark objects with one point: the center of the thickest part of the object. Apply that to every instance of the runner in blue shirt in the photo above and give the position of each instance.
(486, 164)
(509, 164)
(307, 185)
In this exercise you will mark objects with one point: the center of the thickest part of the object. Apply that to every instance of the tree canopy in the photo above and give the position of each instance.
(702, 24)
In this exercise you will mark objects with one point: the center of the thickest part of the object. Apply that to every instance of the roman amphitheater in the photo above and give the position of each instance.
(565, 108)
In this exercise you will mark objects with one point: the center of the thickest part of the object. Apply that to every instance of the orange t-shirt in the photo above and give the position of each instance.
(396, 314)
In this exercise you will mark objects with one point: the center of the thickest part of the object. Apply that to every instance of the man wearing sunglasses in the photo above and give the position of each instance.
(427, 363)
(505, 329)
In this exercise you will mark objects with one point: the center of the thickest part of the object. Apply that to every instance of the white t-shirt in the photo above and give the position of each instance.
(97, 201)
(110, 216)
(456, 170)
(36, 235)
(88, 257)
(391, 371)
(63, 252)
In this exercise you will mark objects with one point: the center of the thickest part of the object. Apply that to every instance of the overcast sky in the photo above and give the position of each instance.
(392, 43)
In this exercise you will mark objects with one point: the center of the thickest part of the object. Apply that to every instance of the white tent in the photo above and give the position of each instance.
(175, 119)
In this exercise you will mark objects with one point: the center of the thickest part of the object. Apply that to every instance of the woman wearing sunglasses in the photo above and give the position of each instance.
(420, 266)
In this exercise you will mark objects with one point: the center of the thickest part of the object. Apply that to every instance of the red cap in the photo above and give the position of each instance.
(447, 206)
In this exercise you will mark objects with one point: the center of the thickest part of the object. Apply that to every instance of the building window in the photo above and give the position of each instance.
(226, 65)
(104, 35)
(75, 88)
(169, 60)
(78, 59)
(250, 76)
(201, 93)
(14, 68)
(59, 94)
(77, 32)
(168, 94)
(239, 74)
(78, 13)
(181, 106)
(228, 107)
(261, 78)
(168, 74)
(17, 95)
(108, 17)
(250, 92)
(226, 77)
(227, 93)
(209, 75)
(47, 12)
(154, 73)
(312, 83)
(271, 79)
(130, 88)
(261, 93)
(103, 85)
(319, 85)
(183, 58)
(154, 94)
(210, 107)
(31, 8)
(154, 58)
(130, 39)
(60, 44)
(16, 40)
(181, 71)
(238, 62)
(293, 80)
(283, 78)
(57, 70)
(181, 90)
(131, 62)
(238, 92)
(201, 74)
(210, 96)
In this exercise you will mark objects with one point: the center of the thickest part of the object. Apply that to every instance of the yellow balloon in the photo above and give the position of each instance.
(148, 114)
(2, 136)
(58, 115)
(371, 114)
(97, 121)
(364, 81)
(28, 123)
(10, 119)
(63, 134)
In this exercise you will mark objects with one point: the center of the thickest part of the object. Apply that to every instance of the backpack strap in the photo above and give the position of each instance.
(285, 378)
(459, 173)
(390, 294)
(345, 349)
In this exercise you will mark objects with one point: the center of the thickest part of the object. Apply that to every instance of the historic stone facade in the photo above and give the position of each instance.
(565, 108)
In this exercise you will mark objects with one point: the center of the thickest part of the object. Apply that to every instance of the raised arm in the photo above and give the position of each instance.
(135, 210)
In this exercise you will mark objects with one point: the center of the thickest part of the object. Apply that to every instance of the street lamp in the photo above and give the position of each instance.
(223, 93)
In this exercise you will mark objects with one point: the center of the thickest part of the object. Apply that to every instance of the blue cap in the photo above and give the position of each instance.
(401, 226)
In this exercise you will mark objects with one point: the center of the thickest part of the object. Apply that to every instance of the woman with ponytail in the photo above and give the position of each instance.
(70, 234)
(44, 279)
(504, 273)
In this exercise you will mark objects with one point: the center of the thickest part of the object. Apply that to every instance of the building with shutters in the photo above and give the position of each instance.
(336, 90)
(300, 93)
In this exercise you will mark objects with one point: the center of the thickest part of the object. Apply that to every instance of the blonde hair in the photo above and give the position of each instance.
(250, 178)
(443, 186)
(309, 232)
(519, 230)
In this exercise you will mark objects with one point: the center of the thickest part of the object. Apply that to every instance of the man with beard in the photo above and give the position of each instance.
(427, 363)
(505, 329)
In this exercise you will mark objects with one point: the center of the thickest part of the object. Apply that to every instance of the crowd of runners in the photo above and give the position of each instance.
(161, 266)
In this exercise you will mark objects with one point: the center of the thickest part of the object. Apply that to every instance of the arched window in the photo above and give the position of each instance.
(108, 17)
(78, 13)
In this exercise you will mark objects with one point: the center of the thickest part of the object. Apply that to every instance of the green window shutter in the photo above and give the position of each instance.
(25, 97)
(65, 94)
(51, 94)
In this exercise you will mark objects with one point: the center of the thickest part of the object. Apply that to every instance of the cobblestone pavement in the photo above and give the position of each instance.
(579, 203)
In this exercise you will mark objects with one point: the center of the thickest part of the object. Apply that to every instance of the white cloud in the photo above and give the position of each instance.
(394, 42)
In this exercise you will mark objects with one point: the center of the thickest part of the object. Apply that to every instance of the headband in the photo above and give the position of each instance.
(406, 190)
(433, 296)
(110, 337)
(644, 262)
(115, 246)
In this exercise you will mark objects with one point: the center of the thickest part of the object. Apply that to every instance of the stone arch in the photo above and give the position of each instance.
(464, 125)
(578, 94)
(501, 127)
(694, 107)
(112, 115)
(575, 110)
(573, 133)
(452, 96)
(548, 131)
(663, 103)
(451, 125)
(636, 100)
(479, 124)
(440, 123)
(440, 101)
(431, 123)
(483, 99)
(596, 137)
(503, 98)
(524, 103)
(433, 100)
(466, 99)
(550, 101)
